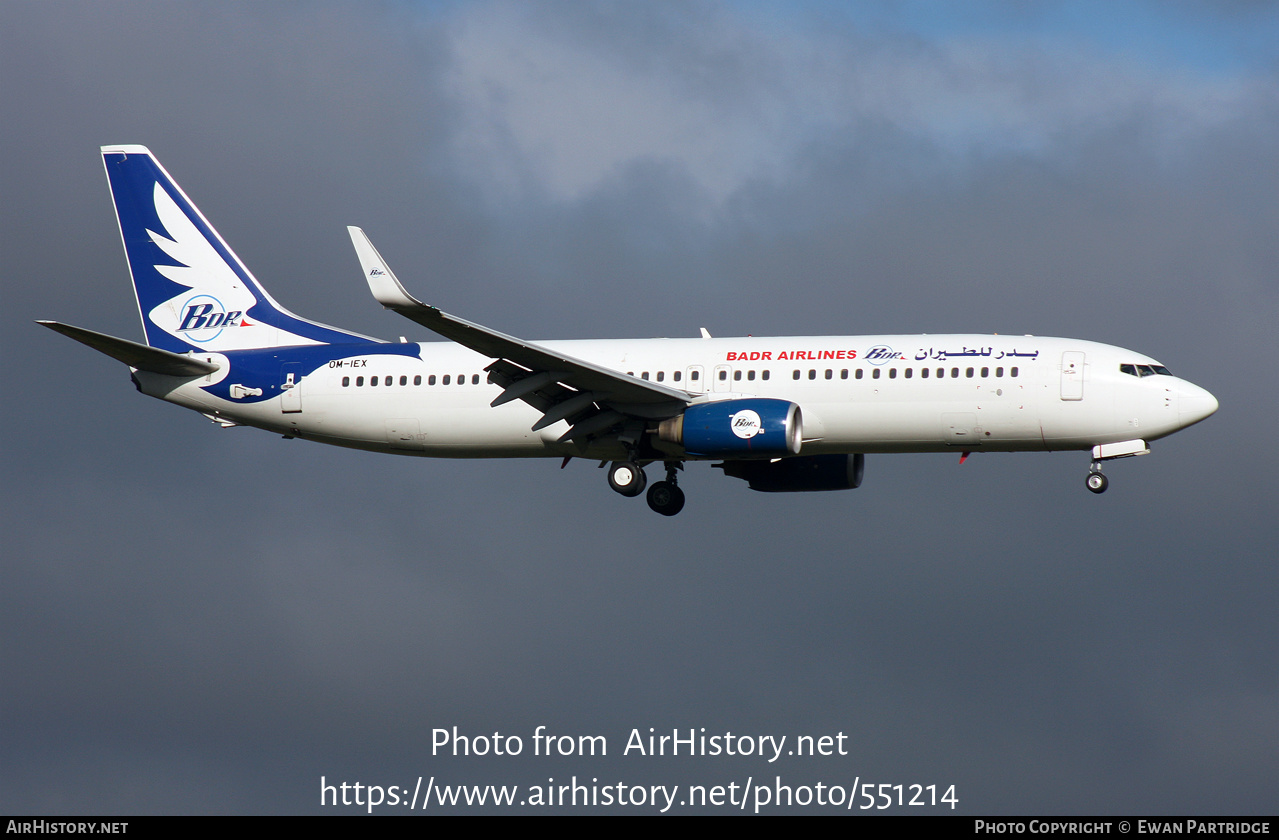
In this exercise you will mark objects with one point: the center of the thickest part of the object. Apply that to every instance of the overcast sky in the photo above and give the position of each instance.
(204, 620)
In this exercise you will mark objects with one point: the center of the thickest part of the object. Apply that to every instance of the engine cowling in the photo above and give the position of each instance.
(805, 474)
(747, 428)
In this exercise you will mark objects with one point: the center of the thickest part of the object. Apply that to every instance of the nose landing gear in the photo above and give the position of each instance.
(1096, 482)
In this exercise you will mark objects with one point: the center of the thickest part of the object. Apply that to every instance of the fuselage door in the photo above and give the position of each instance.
(695, 379)
(1072, 375)
(723, 375)
(291, 388)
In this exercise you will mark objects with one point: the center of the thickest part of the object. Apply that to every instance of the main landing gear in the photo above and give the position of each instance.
(664, 497)
(627, 478)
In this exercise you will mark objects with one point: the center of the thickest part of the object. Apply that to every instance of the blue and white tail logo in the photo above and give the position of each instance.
(193, 291)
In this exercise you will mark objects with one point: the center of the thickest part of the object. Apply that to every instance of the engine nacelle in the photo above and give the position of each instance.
(747, 428)
(793, 475)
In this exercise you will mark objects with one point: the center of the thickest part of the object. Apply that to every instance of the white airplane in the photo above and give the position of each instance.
(784, 414)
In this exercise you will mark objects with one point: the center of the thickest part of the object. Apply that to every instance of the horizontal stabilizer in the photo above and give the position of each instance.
(133, 354)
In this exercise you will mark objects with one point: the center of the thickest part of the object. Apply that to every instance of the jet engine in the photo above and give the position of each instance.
(746, 428)
(807, 473)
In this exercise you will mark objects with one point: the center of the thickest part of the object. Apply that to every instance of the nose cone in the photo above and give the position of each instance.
(1194, 404)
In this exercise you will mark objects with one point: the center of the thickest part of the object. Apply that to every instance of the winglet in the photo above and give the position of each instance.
(384, 285)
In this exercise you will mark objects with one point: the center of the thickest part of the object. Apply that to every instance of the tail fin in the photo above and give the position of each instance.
(193, 292)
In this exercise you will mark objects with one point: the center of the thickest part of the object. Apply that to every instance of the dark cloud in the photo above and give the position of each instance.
(199, 620)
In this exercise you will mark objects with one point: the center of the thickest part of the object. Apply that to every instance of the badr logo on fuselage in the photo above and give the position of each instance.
(881, 353)
(203, 313)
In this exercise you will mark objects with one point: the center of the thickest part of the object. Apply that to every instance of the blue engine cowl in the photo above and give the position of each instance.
(749, 428)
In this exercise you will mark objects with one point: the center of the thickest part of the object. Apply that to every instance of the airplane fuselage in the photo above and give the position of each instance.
(898, 393)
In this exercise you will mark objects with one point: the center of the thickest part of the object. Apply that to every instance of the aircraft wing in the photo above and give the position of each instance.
(559, 385)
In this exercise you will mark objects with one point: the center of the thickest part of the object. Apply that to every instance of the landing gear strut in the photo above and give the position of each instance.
(1096, 482)
(665, 497)
(627, 478)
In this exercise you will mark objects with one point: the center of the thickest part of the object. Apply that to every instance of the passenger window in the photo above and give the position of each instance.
(430, 380)
(923, 373)
(675, 376)
(985, 372)
(475, 379)
(373, 381)
(874, 374)
(892, 373)
(969, 373)
(694, 375)
(661, 375)
(750, 374)
(830, 374)
(843, 374)
(764, 375)
(796, 375)
(999, 372)
(1012, 372)
(346, 382)
(461, 379)
(812, 374)
(859, 373)
(417, 380)
(359, 381)
(447, 380)
(909, 372)
(644, 375)
(954, 373)
(404, 380)
(737, 376)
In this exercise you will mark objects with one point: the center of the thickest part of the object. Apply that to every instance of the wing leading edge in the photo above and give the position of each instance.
(593, 399)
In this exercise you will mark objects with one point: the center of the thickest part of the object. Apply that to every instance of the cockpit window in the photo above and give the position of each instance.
(1145, 370)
